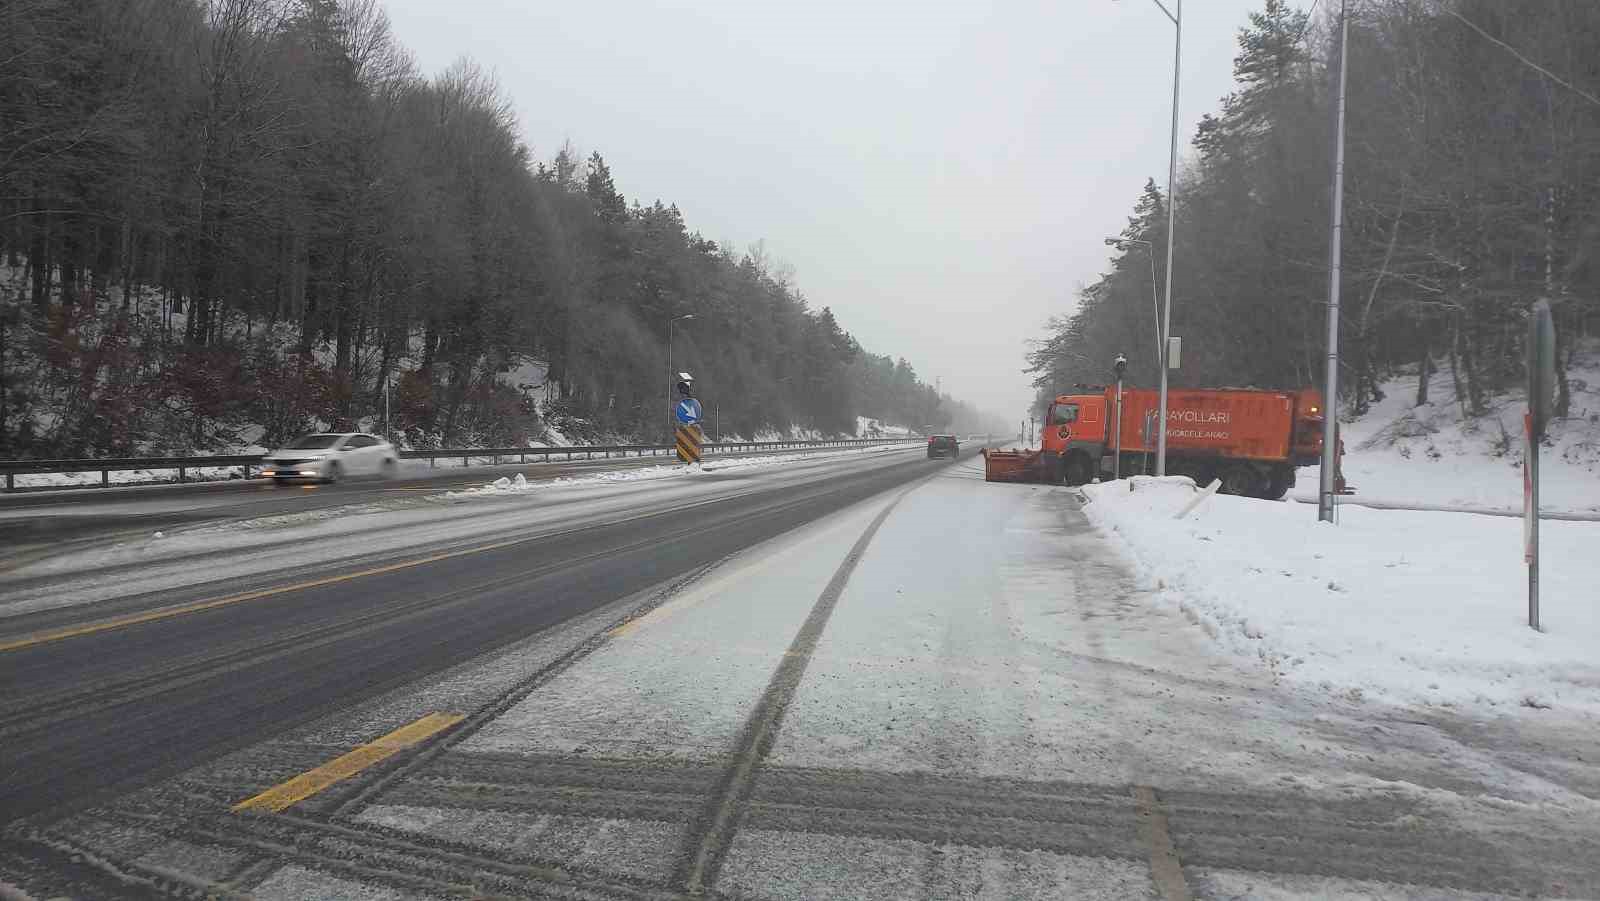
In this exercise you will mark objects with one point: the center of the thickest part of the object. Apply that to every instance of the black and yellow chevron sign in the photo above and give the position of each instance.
(689, 440)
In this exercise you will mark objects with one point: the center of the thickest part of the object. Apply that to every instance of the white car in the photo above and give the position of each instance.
(331, 456)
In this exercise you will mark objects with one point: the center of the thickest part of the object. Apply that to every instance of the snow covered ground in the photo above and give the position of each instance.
(125, 477)
(877, 428)
(989, 641)
(995, 689)
(1433, 455)
(1416, 607)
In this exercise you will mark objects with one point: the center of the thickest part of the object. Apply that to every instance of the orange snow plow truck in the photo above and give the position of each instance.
(1251, 440)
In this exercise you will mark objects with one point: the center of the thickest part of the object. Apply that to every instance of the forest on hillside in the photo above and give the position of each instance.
(1472, 189)
(230, 221)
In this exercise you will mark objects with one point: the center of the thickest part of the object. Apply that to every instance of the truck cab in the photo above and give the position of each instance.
(1073, 439)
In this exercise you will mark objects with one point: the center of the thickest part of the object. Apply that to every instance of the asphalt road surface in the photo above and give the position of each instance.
(865, 677)
(106, 709)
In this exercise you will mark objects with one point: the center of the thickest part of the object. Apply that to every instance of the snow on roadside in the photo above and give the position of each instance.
(1409, 606)
(126, 476)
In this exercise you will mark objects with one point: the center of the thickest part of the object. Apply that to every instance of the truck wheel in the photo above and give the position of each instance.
(1052, 468)
(1242, 480)
(1076, 470)
(1282, 480)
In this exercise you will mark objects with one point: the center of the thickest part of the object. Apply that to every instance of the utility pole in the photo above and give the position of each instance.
(1122, 244)
(1172, 219)
(1163, 357)
(1330, 403)
(4, 314)
(672, 374)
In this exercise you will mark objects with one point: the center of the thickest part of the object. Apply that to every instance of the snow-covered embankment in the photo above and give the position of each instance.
(1405, 606)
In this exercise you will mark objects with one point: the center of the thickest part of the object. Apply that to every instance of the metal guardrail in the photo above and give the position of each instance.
(495, 455)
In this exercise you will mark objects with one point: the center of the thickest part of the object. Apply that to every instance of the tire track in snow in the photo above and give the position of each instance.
(712, 835)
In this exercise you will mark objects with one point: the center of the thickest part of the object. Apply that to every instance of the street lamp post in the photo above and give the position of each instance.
(1155, 302)
(1176, 15)
(1330, 402)
(672, 374)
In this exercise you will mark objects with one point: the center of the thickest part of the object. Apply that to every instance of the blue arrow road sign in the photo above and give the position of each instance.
(688, 411)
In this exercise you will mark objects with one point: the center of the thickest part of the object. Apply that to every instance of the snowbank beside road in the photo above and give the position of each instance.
(125, 477)
(1415, 607)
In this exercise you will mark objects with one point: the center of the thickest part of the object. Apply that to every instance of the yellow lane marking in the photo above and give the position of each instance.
(625, 628)
(1165, 868)
(303, 786)
(134, 619)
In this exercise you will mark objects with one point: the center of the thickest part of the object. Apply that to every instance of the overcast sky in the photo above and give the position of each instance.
(941, 173)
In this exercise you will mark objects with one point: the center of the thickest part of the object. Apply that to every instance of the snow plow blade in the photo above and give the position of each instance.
(1011, 466)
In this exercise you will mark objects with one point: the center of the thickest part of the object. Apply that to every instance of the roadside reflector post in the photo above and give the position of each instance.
(689, 440)
(1541, 390)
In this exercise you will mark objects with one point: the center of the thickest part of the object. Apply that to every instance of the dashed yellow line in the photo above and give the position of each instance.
(1165, 868)
(281, 797)
(625, 628)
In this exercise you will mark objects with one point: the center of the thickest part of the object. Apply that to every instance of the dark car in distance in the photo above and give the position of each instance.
(944, 446)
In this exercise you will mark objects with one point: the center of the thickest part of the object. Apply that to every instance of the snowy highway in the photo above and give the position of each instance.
(866, 676)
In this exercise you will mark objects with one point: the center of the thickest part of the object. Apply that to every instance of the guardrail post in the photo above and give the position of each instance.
(105, 478)
(11, 482)
(182, 472)
(522, 457)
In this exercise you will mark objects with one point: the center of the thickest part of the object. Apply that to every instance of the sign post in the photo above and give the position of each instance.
(1147, 436)
(1120, 365)
(687, 412)
(1541, 390)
